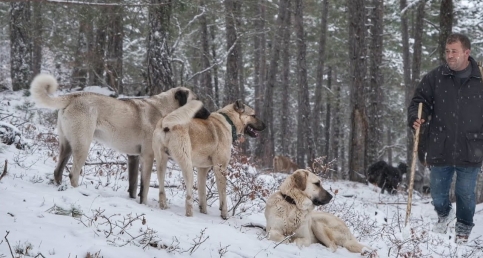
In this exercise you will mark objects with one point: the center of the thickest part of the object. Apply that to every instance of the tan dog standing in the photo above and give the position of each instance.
(283, 164)
(291, 211)
(125, 125)
(202, 144)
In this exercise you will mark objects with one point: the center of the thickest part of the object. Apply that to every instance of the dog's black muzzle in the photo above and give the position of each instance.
(325, 198)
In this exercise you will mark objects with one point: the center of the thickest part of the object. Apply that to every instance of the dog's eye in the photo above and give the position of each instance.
(317, 184)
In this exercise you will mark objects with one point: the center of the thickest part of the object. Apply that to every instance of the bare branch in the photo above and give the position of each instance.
(4, 170)
(83, 3)
(9, 247)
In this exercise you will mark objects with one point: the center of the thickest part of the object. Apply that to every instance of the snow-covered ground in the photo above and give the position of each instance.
(98, 219)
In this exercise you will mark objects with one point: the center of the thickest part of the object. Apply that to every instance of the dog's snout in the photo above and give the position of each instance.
(323, 198)
(328, 197)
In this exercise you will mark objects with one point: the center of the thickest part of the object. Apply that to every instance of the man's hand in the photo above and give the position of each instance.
(418, 123)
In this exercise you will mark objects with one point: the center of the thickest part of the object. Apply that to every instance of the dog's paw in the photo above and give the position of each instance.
(163, 206)
(333, 248)
(64, 186)
(368, 252)
(203, 210)
(225, 216)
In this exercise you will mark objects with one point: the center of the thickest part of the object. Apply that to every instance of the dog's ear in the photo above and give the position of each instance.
(239, 106)
(182, 97)
(203, 113)
(300, 179)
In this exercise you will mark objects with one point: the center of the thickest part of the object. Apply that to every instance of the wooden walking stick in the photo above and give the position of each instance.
(413, 166)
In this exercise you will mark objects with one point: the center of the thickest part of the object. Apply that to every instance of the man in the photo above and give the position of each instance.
(452, 97)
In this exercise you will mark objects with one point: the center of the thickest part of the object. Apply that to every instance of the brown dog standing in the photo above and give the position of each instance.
(202, 144)
(283, 164)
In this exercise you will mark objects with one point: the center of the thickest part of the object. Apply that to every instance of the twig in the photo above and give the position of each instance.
(4, 170)
(252, 225)
(103, 163)
(11, 252)
(287, 237)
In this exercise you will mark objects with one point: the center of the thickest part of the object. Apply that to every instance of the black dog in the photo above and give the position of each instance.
(386, 176)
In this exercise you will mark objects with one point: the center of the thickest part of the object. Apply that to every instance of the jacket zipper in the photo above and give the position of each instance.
(457, 120)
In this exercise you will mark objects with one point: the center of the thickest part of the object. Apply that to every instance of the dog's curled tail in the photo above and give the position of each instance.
(41, 89)
(182, 115)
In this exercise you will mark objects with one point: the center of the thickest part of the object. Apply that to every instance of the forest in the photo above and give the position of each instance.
(331, 79)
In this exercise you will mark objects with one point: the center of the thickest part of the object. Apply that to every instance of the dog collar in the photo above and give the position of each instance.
(288, 199)
(233, 128)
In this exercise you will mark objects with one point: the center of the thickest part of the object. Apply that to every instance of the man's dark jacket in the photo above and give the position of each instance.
(454, 135)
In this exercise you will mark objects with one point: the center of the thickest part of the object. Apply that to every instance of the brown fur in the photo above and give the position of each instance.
(283, 164)
(203, 144)
(124, 125)
(300, 221)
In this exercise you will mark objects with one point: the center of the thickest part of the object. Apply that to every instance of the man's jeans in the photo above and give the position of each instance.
(440, 181)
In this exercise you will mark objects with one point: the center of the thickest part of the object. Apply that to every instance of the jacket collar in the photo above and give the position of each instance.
(475, 72)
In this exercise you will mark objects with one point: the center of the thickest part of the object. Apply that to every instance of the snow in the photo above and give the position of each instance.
(98, 217)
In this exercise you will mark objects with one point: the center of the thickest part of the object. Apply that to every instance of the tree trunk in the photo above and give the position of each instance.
(305, 154)
(206, 84)
(317, 112)
(445, 26)
(80, 69)
(328, 104)
(408, 92)
(416, 63)
(358, 117)
(389, 140)
(36, 38)
(285, 112)
(215, 69)
(417, 46)
(336, 137)
(160, 74)
(259, 46)
(20, 45)
(267, 141)
(231, 92)
(96, 76)
(375, 114)
(114, 52)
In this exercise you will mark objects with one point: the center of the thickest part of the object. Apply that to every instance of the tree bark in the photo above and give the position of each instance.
(328, 114)
(115, 36)
(206, 80)
(20, 45)
(160, 73)
(259, 51)
(375, 114)
(408, 93)
(337, 113)
(305, 148)
(358, 117)
(231, 92)
(215, 69)
(36, 38)
(80, 69)
(267, 138)
(445, 26)
(285, 112)
(317, 112)
(96, 76)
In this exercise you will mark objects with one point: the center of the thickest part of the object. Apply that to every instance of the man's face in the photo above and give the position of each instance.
(456, 56)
